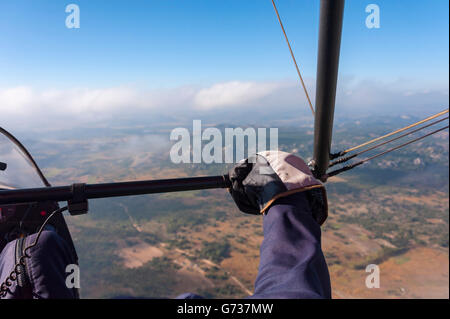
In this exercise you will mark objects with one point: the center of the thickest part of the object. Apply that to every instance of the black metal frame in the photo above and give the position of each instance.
(331, 16)
(90, 191)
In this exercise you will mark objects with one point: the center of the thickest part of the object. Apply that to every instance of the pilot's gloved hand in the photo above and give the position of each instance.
(258, 181)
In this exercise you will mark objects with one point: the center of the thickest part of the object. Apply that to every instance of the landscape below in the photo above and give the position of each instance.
(392, 212)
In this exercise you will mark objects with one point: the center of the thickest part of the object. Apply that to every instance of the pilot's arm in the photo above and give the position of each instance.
(281, 187)
(44, 275)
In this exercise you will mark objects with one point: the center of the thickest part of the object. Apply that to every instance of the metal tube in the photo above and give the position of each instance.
(64, 193)
(330, 30)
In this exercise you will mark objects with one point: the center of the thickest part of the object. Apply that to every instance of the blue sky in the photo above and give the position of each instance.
(176, 42)
(171, 44)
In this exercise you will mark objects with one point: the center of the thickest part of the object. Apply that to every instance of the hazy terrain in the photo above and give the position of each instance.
(392, 212)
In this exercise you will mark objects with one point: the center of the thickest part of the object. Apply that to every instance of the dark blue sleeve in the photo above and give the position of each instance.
(292, 264)
(45, 269)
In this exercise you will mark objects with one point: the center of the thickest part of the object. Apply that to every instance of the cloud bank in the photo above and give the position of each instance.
(27, 107)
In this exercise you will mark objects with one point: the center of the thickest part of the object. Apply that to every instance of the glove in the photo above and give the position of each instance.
(258, 181)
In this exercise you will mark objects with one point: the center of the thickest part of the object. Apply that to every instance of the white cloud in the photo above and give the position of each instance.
(393, 98)
(233, 94)
(25, 100)
(16, 100)
(25, 106)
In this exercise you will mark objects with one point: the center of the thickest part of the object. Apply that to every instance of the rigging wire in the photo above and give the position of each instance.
(347, 158)
(293, 58)
(348, 167)
(339, 154)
